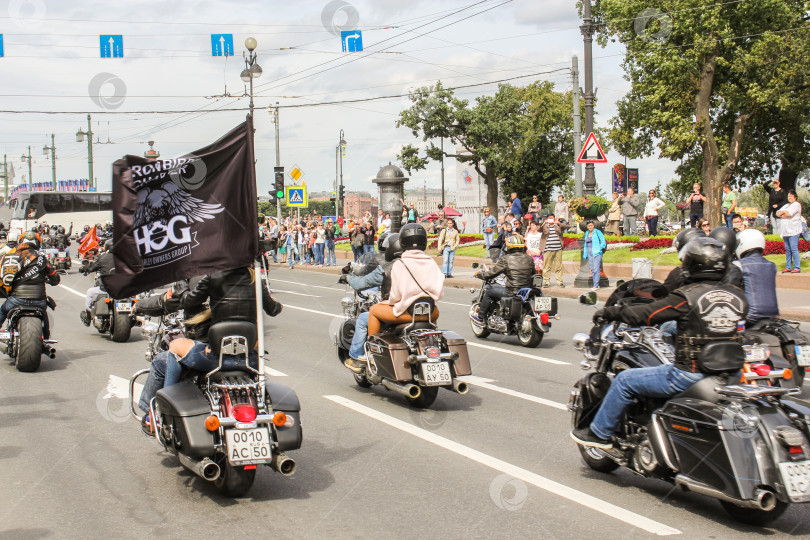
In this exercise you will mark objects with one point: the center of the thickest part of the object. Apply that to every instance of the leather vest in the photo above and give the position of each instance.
(759, 277)
(385, 290)
(714, 311)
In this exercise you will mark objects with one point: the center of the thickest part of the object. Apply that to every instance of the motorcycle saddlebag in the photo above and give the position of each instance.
(390, 355)
(100, 307)
(456, 343)
(586, 397)
(283, 398)
(721, 357)
(187, 408)
(511, 308)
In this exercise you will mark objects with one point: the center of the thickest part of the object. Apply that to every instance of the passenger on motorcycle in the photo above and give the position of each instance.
(706, 311)
(758, 276)
(231, 294)
(518, 268)
(28, 285)
(104, 264)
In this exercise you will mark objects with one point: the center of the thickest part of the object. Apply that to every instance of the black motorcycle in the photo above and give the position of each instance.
(526, 314)
(741, 444)
(62, 262)
(784, 338)
(24, 340)
(352, 306)
(112, 316)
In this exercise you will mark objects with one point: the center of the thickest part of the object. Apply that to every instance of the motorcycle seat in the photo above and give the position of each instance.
(704, 389)
(418, 325)
(221, 376)
(224, 329)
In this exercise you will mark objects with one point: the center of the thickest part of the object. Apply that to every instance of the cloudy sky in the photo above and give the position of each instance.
(52, 63)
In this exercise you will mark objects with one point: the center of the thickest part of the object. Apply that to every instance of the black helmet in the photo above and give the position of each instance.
(29, 240)
(394, 249)
(727, 237)
(61, 230)
(515, 242)
(382, 243)
(704, 258)
(685, 236)
(108, 245)
(413, 236)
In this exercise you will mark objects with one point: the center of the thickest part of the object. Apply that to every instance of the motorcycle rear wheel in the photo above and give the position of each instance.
(752, 516)
(234, 481)
(426, 398)
(597, 460)
(533, 337)
(29, 347)
(121, 327)
(480, 331)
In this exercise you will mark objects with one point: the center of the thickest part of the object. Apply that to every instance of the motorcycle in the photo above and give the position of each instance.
(784, 336)
(741, 444)
(526, 314)
(159, 335)
(87, 257)
(62, 262)
(23, 340)
(413, 359)
(112, 316)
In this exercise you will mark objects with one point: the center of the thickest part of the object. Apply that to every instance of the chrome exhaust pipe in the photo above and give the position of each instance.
(460, 387)
(408, 390)
(283, 464)
(763, 498)
(48, 350)
(204, 468)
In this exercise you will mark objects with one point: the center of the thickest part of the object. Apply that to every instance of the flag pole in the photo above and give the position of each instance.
(257, 273)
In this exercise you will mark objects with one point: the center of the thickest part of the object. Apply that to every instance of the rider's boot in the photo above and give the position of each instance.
(85, 317)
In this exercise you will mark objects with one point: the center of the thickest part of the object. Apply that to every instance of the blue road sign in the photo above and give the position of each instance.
(112, 46)
(296, 196)
(1, 45)
(221, 44)
(352, 40)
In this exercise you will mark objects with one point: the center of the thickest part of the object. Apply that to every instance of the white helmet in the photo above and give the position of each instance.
(748, 240)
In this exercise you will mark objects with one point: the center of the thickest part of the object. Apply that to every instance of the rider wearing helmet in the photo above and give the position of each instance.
(706, 310)
(104, 264)
(758, 276)
(62, 239)
(518, 269)
(28, 285)
(675, 277)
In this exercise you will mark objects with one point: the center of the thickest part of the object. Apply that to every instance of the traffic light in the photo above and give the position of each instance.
(341, 194)
(278, 185)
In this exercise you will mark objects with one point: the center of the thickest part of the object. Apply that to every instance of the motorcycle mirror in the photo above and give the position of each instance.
(620, 283)
(475, 265)
(588, 299)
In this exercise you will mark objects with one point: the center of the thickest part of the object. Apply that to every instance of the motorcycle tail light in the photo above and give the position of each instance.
(763, 370)
(279, 419)
(795, 449)
(212, 423)
(787, 374)
(244, 413)
(432, 352)
(544, 318)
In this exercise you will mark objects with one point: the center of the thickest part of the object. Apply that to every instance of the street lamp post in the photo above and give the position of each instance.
(341, 153)
(80, 135)
(46, 150)
(588, 29)
(29, 160)
(252, 68)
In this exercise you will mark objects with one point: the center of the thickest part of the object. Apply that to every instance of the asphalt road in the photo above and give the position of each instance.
(495, 463)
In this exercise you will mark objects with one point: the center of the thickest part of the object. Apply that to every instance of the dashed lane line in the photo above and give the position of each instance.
(481, 382)
(546, 484)
(74, 291)
(516, 353)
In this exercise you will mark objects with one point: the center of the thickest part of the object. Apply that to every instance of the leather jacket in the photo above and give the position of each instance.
(29, 283)
(62, 241)
(759, 283)
(518, 267)
(231, 295)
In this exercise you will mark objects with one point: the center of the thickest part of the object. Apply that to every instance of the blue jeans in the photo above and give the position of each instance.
(488, 239)
(669, 328)
(360, 336)
(792, 251)
(302, 248)
(357, 251)
(319, 253)
(291, 254)
(652, 223)
(13, 302)
(728, 220)
(658, 382)
(595, 264)
(447, 260)
(330, 252)
(368, 248)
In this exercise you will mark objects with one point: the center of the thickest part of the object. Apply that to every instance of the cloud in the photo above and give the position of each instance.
(546, 13)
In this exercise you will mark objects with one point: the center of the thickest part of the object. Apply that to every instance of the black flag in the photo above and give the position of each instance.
(178, 218)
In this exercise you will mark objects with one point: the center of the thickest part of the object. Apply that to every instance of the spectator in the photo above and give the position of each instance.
(654, 204)
(703, 225)
(497, 247)
(411, 215)
(516, 209)
(594, 248)
(356, 240)
(510, 217)
(738, 223)
(561, 210)
(551, 245)
(441, 223)
(534, 246)
(302, 244)
(368, 236)
(273, 234)
(282, 243)
(320, 244)
(488, 226)
(729, 204)
(292, 245)
(629, 202)
(791, 217)
(614, 216)
(448, 242)
(777, 198)
(696, 200)
(380, 218)
(534, 208)
(331, 234)
(387, 221)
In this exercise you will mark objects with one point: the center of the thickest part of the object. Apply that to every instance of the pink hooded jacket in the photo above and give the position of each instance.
(405, 288)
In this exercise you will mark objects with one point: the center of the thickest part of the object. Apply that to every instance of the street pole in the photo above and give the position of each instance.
(337, 175)
(443, 205)
(577, 128)
(30, 179)
(90, 152)
(278, 156)
(588, 28)
(340, 152)
(53, 159)
(5, 178)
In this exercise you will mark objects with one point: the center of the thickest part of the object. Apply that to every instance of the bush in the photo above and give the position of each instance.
(773, 247)
(653, 243)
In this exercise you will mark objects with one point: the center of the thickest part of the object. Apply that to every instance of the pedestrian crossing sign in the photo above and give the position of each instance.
(297, 195)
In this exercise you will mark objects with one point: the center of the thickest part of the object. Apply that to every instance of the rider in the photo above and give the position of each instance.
(104, 264)
(729, 239)
(232, 297)
(758, 276)
(705, 310)
(62, 239)
(519, 269)
(28, 285)
(675, 277)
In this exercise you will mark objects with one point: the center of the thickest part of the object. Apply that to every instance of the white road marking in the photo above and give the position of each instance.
(295, 293)
(573, 495)
(314, 311)
(74, 291)
(273, 372)
(272, 279)
(485, 383)
(454, 303)
(524, 355)
(118, 387)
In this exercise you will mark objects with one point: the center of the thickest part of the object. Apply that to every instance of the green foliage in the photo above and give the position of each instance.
(755, 197)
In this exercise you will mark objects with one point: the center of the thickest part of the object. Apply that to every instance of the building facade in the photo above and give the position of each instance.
(358, 203)
(471, 196)
(429, 200)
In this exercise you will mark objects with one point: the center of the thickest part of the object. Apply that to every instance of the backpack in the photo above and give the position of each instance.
(10, 266)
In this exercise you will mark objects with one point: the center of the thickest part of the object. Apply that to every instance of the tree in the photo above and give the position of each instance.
(717, 80)
(521, 134)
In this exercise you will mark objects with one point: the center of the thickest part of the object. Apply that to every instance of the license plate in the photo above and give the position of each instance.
(542, 303)
(61, 254)
(796, 477)
(803, 355)
(123, 306)
(436, 373)
(248, 446)
(4, 335)
(755, 354)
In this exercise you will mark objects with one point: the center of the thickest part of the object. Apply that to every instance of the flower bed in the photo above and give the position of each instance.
(653, 243)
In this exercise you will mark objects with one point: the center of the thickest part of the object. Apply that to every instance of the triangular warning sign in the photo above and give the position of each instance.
(591, 151)
(296, 196)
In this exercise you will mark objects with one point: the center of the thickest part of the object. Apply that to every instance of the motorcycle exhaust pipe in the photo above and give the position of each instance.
(408, 390)
(204, 468)
(48, 350)
(763, 499)
(283, 464)
(460, 387)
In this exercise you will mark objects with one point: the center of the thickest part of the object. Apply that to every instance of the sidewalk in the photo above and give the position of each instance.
(793, 291)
